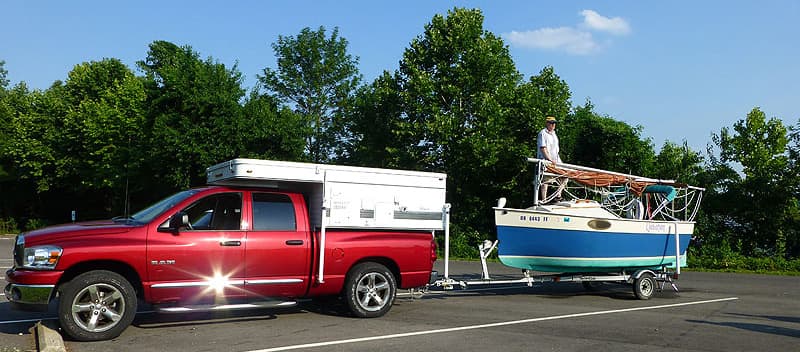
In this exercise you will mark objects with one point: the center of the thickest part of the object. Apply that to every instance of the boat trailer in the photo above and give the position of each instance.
(645, 282)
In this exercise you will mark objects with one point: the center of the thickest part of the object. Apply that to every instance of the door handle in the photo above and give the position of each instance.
(294, 242)
(232, 243)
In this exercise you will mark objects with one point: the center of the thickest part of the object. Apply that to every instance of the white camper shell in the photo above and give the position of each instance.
(352, 197)
(347, 197)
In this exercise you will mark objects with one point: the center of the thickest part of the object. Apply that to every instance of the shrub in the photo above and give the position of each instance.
(464, 242)
(723, 257)
(8, 225)
(33, 224)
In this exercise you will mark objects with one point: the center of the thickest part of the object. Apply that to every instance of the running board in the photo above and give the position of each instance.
(220, 307)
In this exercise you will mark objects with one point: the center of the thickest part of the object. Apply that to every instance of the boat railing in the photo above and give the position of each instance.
(627, 195)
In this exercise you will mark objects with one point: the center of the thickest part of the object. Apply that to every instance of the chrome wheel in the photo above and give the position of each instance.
(98, 307)
(369, 290)
(373, 291)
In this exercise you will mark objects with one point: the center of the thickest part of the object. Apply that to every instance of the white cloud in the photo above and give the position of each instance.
(569, 39)
(595, 21)
(577, 40)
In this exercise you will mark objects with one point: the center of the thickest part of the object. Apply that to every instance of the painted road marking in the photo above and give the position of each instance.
(483, 326)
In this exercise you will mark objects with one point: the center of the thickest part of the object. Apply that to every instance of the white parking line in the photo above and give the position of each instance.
(482, 326)
(25, 320)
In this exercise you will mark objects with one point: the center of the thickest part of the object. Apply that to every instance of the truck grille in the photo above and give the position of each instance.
(19, 250)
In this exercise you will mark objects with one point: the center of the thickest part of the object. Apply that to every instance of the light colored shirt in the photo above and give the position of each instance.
(548, 140)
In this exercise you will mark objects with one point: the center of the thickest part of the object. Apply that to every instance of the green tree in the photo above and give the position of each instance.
(74, 140)
(592, 140)
(678, 162)
(756, 203)
(5, 120)
(316, 76)
(375, 133)
(3, 75)
(273, 132)
(102, 136)
(192, 114)
(457, 85)
(35, 128)
(792, 225)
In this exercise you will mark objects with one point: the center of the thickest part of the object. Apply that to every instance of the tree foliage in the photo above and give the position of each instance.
(754, 205)
(678, 162)
(593, 140)
(456, 84)
(3, 75)
(102, 126)
(375, 134)
(317, 76)
(192, 113)
(269, 131)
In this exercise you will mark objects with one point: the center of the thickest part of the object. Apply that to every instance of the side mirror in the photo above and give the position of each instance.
(178, 221)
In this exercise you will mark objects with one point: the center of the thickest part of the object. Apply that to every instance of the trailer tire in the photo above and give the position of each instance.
(644, 286)
(96, 305)
(370, 290)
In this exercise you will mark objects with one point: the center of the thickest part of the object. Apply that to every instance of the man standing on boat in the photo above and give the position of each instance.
(547, 146)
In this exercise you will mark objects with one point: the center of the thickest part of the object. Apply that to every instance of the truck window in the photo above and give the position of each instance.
(273, 212)
(216, 212)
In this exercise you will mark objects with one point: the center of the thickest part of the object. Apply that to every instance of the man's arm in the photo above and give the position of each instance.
(546, 154)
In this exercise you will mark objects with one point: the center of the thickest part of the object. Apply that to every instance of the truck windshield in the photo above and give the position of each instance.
(149, 213)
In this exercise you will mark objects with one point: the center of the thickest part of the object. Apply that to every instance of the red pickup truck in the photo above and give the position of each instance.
(212, 248)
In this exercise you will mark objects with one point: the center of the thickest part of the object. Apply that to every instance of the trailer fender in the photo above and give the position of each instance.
(639, 274)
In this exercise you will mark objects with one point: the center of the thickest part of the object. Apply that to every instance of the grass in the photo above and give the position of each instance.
(744, 271)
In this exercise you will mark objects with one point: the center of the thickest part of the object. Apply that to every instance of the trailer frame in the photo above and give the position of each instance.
(645, 281)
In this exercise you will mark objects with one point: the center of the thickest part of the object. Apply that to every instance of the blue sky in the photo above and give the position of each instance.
(680, 69)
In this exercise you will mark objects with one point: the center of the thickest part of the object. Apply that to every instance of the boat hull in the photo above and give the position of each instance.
(551, 242)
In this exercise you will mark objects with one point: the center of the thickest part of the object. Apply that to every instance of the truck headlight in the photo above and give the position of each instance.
(41, 257)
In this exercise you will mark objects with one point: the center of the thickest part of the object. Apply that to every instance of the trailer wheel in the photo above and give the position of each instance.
(97, 305)
(370, 290)
(644, 286)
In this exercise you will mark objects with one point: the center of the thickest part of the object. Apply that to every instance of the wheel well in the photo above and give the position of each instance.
(388, 263)
(118, 267)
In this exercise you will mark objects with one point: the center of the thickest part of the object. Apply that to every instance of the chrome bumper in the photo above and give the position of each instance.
(29, 294)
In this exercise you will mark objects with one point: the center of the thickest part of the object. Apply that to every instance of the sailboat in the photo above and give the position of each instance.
(606, 222)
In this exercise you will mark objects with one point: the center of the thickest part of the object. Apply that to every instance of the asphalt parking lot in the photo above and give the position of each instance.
(712, 312)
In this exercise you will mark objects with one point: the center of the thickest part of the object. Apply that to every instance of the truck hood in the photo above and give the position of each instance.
(74, 230)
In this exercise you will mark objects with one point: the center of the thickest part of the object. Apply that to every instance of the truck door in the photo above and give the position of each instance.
(277, 252)
(202, 264)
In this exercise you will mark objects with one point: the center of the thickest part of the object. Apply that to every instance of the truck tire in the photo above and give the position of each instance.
(96, 305)
(369, 290)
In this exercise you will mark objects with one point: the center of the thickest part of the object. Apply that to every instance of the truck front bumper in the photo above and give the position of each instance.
(29, 294)
(30, 289)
